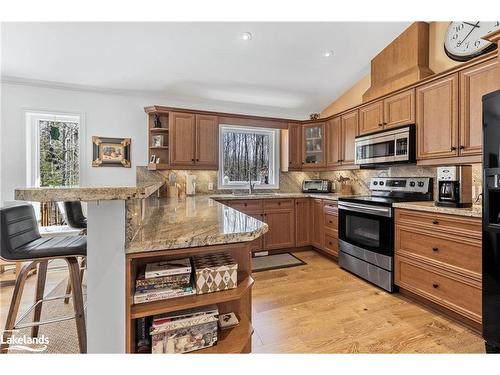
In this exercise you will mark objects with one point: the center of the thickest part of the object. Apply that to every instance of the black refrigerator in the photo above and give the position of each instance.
(491, 221)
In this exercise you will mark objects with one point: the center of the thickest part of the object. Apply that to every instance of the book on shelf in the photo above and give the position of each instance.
(161, 294)
(142, 336)
(185, 331)
(172, 281)
(168, 268)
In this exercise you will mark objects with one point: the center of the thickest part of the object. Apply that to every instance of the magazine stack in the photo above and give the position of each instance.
(164, 280)
(184, 331)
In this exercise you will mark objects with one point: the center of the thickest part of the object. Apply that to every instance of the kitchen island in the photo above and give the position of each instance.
(128, 226)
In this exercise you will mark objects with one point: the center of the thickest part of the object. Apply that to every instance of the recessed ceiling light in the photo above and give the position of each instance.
(246, 36)
(328, 54)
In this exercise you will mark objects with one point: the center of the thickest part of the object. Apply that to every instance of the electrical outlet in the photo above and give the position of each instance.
(210, 186)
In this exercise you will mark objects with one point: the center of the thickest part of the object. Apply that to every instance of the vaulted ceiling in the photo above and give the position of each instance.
(281, 71)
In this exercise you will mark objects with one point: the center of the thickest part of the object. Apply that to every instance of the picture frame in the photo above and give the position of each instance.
(157, 140)
(152, 159)
(111, 152)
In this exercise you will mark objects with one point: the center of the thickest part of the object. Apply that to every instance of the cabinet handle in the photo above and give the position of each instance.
(192, 159)
(331, 222)
(330, 243)
(453, 148)
(435, 249)
(435, 221)
(462, 147)
(435, 285)
(279, 203)
(290, 162)
(245, 204)
(385, 123)
(380, 124)
(197, 159)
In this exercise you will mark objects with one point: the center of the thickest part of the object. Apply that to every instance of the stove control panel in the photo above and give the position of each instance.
(402, 184)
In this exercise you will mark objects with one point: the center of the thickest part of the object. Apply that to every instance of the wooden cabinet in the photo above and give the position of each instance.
(193, 140)
(349, 122)
(279, 215)
(313, 145)
(181, 142)
(371, 117)
(399, 109)
(395, 110)
(317, 223)
(333, 142)
(330, 228)
(302, 222)
(437, 118)
(438, 257)
(475, 82)
(207, 141)
(294, 146)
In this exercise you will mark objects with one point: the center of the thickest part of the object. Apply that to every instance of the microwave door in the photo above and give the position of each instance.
(377, 150)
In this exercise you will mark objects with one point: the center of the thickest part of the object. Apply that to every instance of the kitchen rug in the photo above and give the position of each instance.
(275, 261)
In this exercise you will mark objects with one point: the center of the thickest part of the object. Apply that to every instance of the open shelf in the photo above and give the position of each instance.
(196, 300)
(158, 130)
(231, 341)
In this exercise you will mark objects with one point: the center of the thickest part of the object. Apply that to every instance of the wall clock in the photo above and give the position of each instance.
(463, 39)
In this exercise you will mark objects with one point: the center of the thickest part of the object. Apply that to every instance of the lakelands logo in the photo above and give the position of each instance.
(27, 343)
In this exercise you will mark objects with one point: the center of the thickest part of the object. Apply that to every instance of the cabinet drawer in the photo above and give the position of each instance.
(331, 222)
(251, 205)
(331, 244)
(450, 224)
(444, 251)
(330, 207)
(455, 293)
(278, 204)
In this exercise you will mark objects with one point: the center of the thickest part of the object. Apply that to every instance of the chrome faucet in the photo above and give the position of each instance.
(250, 185)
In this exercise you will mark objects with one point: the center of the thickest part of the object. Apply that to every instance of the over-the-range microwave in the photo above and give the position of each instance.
(390, 146)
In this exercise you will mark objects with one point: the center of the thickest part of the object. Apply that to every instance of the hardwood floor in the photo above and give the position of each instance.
(320, 308)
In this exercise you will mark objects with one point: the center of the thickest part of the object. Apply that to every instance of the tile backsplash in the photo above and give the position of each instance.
(291, 182)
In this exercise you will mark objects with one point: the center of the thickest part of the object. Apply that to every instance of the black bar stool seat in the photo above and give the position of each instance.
(20, 240)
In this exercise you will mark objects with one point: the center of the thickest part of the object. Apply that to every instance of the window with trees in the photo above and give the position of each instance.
(248, 154)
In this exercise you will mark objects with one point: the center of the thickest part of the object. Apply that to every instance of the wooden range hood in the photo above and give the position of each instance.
(402, 63)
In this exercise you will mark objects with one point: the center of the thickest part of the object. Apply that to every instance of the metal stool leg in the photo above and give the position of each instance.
(74, 274)
(14, 304)
(40, 288)
(83, 264)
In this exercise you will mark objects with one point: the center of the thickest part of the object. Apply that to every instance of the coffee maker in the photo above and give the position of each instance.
(454, 186)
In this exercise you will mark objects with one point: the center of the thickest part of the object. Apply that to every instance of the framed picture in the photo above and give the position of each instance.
(152, 159)
(111, 152)
(157, 140)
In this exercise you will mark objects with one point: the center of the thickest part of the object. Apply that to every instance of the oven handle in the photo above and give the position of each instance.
(356, 207)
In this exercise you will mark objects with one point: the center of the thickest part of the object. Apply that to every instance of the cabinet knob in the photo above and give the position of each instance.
(435, 221)
(290, 162)
(380, 124)
(197, 159)
(331, 222)
(279, 203)
(330, 243)
(245, 204)
(453, 148)
(385, 123)
(435, 249)
(462, 147)
(435, 285)
(192, 159)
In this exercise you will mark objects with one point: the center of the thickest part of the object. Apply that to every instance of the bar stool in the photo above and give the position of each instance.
(75, 218)
(20, 240)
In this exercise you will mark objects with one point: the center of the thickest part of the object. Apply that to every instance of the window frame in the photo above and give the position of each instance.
(32, 118)
(274, 163)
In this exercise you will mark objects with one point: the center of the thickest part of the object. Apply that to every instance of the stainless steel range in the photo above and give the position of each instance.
(366, 227)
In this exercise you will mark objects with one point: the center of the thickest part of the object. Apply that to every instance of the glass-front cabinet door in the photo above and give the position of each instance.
(313, 145)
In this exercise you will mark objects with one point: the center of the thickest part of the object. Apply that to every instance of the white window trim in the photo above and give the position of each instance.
(274, 158)
(31, 118)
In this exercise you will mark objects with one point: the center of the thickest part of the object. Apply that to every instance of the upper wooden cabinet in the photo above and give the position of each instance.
(313, 145)
(194, 140)
(437, 118)
(182, 141)
(475, 82)
(349, 122)
(399, 109)
(371, 117)
(294, 146)
(395, 110)
(207, 141)
(333, 141)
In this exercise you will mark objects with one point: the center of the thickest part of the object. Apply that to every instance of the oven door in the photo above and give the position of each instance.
(367, 227)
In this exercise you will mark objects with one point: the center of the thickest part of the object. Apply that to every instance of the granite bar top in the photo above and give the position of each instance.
(474, 211)
(228, 197)
(86, 193)
(173, 223)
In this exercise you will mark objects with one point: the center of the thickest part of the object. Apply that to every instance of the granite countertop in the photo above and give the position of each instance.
(173, 223)
(227, 197)
(474, 211)
(86, 193)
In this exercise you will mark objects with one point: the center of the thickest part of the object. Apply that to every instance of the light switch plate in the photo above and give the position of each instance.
(210, 186)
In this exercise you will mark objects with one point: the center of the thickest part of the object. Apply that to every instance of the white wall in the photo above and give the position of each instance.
(104, 115)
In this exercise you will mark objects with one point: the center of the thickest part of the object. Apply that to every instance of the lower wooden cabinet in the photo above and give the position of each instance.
(302, 222)
(281, 234)
(438, 257)
(330, 228)
(317, 223)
